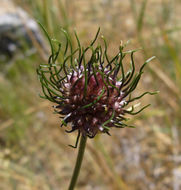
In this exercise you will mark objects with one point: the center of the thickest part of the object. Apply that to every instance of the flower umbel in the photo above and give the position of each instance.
(91, 92)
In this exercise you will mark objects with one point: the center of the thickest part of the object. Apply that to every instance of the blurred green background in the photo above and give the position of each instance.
(34, 152)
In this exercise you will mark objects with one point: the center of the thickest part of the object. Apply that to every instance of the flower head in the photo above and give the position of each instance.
(91, 92)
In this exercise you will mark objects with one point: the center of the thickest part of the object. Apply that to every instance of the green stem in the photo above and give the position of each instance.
(78, 162)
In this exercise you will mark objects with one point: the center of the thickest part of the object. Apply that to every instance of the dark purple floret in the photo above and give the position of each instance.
(89, 111)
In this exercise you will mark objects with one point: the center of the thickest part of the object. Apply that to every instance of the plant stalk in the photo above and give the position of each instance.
(78, 162)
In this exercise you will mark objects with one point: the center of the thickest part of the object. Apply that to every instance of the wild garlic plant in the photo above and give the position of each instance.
(90, 90)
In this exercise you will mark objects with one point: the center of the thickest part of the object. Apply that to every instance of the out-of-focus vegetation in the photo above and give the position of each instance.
(33, 149)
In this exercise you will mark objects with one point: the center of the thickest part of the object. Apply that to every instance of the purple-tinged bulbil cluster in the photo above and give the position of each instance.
(91, 94)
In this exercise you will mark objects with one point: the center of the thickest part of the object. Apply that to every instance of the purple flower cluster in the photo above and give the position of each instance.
(91, 93)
